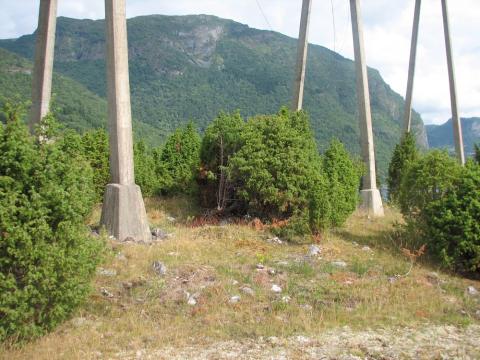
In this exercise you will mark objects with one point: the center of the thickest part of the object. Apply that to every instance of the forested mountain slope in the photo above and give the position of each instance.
(74, 105)
(190, 67)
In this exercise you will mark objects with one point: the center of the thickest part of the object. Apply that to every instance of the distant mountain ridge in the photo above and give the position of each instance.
(190, 67)
(441, 136)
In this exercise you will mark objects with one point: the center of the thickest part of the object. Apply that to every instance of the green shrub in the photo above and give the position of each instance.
(47, 257)
(180, 160)
(343, 176)
(440, 200)
(426, 180)
(222, 139)
(404, 154)
(453, 223)
(145, 170)
(278, 171)
(95, 148)
(92, 147)
(477, 154)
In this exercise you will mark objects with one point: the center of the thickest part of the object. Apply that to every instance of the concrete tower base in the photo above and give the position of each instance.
(372, 202)
(123, 213)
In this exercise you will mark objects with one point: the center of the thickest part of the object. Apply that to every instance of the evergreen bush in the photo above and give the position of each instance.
(222, 139)
(440, 200)
(280, 175)
(95, 148)
(426, 180)
(452, 223)
(277, 165)
(146, 175)
(92, 147)
(404, 154)
(343, 176)
(47, 257)
(179, 161)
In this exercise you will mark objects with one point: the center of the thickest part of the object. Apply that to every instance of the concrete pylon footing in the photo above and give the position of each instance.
(372, 202)
(123, 213)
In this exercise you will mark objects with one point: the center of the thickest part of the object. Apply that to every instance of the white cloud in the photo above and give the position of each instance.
(387, 25)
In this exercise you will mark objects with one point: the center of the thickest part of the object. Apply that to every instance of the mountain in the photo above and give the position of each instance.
(76, 107)
(190, 67)
(441, 136)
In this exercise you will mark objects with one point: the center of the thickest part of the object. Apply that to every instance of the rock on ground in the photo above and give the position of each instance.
(427, 342)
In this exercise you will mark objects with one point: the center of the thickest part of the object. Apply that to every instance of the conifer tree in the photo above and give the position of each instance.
(223, 138)
(404, 154)
(180, 159)
(47, 257)
(343, 182)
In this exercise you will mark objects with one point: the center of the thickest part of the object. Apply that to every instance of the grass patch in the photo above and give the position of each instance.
(214, 263)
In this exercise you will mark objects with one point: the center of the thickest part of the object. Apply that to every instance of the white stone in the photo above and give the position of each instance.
(235, 299)
(313, 250)
(247, 290)
(106, 293)
(273, 340)
(276, 289)
(472, 291)
(107, 272)
(275, 240)
(79, 321)
(121, 257)
(302, 339)
(191, 301)
(339, 263)
(159, 268)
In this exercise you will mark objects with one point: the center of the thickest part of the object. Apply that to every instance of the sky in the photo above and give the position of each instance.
(387, 27)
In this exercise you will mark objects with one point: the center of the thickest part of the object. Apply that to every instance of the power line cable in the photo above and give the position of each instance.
(334, 28)
(264, 15)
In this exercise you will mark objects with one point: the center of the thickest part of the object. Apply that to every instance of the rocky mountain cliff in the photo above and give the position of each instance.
(191, 67)
(441, 136)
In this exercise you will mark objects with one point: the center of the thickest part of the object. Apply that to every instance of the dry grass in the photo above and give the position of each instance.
(149, 311)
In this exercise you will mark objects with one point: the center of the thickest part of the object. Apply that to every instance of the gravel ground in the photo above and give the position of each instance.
(428, 342)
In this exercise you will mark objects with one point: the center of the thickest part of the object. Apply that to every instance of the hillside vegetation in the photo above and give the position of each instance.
(73, 104)
(191, 67)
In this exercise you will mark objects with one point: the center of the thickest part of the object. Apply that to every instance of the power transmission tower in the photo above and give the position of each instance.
(301, 56)
(371, 199)
(411, 68)
(43, 63)
(457, 125)
(123, 212)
